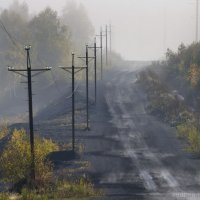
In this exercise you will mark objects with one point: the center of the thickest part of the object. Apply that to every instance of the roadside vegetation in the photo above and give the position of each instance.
(164, 104)
(15, 165)
(3, 130)
(173, 90)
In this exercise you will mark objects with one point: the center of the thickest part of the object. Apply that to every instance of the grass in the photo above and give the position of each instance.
(80, 189)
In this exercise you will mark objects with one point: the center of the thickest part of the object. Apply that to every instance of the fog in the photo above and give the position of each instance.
(142, 29)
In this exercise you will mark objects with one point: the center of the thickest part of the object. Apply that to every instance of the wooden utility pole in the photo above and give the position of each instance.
(72, 71)
(29, 71)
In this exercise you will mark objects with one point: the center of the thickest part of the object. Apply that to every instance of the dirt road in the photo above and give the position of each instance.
(134, 155)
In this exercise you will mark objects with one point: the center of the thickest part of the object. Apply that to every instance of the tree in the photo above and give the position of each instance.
(194, 74)
(171, 57)
(50, 39)
(76, 19)
(13, 33)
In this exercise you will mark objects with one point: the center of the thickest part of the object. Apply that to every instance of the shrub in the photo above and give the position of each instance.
(15, 161)
(4, 196)
(194, 141)
(3, 130)
(183, 130)
(192, 135)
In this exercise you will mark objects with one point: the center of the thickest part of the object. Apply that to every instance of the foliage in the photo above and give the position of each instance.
(185, 62)
(80, 189)
(163, 103)
(15, 159)
(52, 37)
(4, 196)
(3, 131)
(169, 108)
(194, 74)
(192, 135)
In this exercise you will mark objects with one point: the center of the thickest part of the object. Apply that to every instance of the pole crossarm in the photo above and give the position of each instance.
(24, 70)
(71, 67)
(86, 57)
(82, 58)
(17, 72)
(40, 72)
(67, 69)
(80, 70)
(100, 35)
(94, 47)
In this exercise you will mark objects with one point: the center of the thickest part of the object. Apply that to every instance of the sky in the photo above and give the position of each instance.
(141, 29)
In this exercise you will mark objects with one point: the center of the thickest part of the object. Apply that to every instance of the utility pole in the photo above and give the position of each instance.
(30, 105)
(101, 47)
(95, 67)
(72, 71)
(95, 70)
(87, 84)
(197, 20)
(73, 106)
(110, 31)
(30, 112)
(87, 89)
(110, 39)
(106, 34)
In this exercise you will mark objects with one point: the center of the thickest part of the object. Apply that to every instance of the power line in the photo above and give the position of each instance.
(8, 34)
(13, 41)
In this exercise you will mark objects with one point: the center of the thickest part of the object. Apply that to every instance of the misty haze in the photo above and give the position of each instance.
(99, 99)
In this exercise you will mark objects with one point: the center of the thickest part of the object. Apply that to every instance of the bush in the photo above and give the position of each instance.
(163, 104)
(192, 135)
(4, 196)
(3, 130)
(15, 166)
(15, 161)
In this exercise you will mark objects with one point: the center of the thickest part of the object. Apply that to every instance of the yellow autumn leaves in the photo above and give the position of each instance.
(16, 158)
(194, 74)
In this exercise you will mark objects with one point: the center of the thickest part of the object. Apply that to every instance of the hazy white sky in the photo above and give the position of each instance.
(142, 29)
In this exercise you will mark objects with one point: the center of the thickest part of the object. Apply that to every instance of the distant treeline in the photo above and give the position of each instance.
(51, 36)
